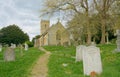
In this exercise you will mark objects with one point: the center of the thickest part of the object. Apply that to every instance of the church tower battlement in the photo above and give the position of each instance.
(44, 25)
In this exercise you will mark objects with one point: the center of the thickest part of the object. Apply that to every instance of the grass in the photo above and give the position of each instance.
(61, 62)
(66, 55)
(21, 66)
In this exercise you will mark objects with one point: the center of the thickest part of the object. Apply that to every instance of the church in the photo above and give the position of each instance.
(54, 35)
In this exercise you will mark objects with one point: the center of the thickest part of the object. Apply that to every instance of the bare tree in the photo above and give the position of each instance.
(74, 6)
(103, 6)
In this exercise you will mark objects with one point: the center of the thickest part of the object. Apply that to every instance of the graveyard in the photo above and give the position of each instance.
(61, 63)
(60, 38)
(22, 64)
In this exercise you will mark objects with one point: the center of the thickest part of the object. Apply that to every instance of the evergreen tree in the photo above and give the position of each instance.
(12, 34)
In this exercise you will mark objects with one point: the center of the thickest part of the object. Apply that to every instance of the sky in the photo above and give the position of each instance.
(24, 13)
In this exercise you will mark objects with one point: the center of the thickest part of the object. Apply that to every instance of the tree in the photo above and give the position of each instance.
(13, 34)
(74, 6)
(103, 7)
(115, 10)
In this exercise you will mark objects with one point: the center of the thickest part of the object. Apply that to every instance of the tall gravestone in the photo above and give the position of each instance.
(92, 60)
(26, 47)
(0, 47)
(21, 50)
(118, 40)
(9, 54)
(79, 51)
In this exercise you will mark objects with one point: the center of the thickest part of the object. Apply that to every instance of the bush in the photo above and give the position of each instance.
(30, 44)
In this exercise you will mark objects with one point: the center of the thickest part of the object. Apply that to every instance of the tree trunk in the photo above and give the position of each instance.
(103, 32)
(88, 36)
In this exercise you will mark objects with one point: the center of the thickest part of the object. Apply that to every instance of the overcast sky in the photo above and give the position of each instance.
(24, 13)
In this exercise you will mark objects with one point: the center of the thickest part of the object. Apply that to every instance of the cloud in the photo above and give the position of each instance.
(23, 13)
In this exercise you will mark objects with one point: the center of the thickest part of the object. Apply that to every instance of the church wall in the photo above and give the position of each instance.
(41, 41)
(52, 35)
(52, 38)
(45, 39)
(65, 39)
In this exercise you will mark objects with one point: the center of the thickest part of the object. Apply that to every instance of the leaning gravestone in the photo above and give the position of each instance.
(92, 60)
(0, 47)
(9, 54)
(26, 47)
(118, 40)
(79, 51)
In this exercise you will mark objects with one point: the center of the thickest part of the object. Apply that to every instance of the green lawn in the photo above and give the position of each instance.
(60, 57)
(20, 67)
(65, 55)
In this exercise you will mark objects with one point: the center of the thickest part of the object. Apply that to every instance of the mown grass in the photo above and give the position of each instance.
(66, 55)
(21, 66)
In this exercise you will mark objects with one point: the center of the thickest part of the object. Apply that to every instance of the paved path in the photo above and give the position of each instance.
(40, 68)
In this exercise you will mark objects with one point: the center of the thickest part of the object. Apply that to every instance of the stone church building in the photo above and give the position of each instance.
(54, 35)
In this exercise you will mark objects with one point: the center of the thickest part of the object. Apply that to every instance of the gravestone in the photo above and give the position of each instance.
(92, 60)
(118, 40)
(0, 47)
(26, 47)
(21, 50)
(13, 45)
(93, 44)
(79, 50)
(9, 54)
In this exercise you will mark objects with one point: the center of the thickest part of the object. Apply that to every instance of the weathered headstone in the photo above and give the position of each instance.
(92, 60)
(118, 40)
(13, 45)
(9, 54)
(26, 47)
(0, 47)
(79, 50)
(93, 44)
(21, 50)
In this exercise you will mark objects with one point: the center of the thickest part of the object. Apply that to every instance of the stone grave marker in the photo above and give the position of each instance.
(118, 40)
(93, 44)
(9, 54)
(0, 47)
(13, 45)
(26, 47)
(79, 50)
(92, 60)
(21, 50)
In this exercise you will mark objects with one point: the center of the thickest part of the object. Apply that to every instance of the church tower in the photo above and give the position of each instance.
(44, 25)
